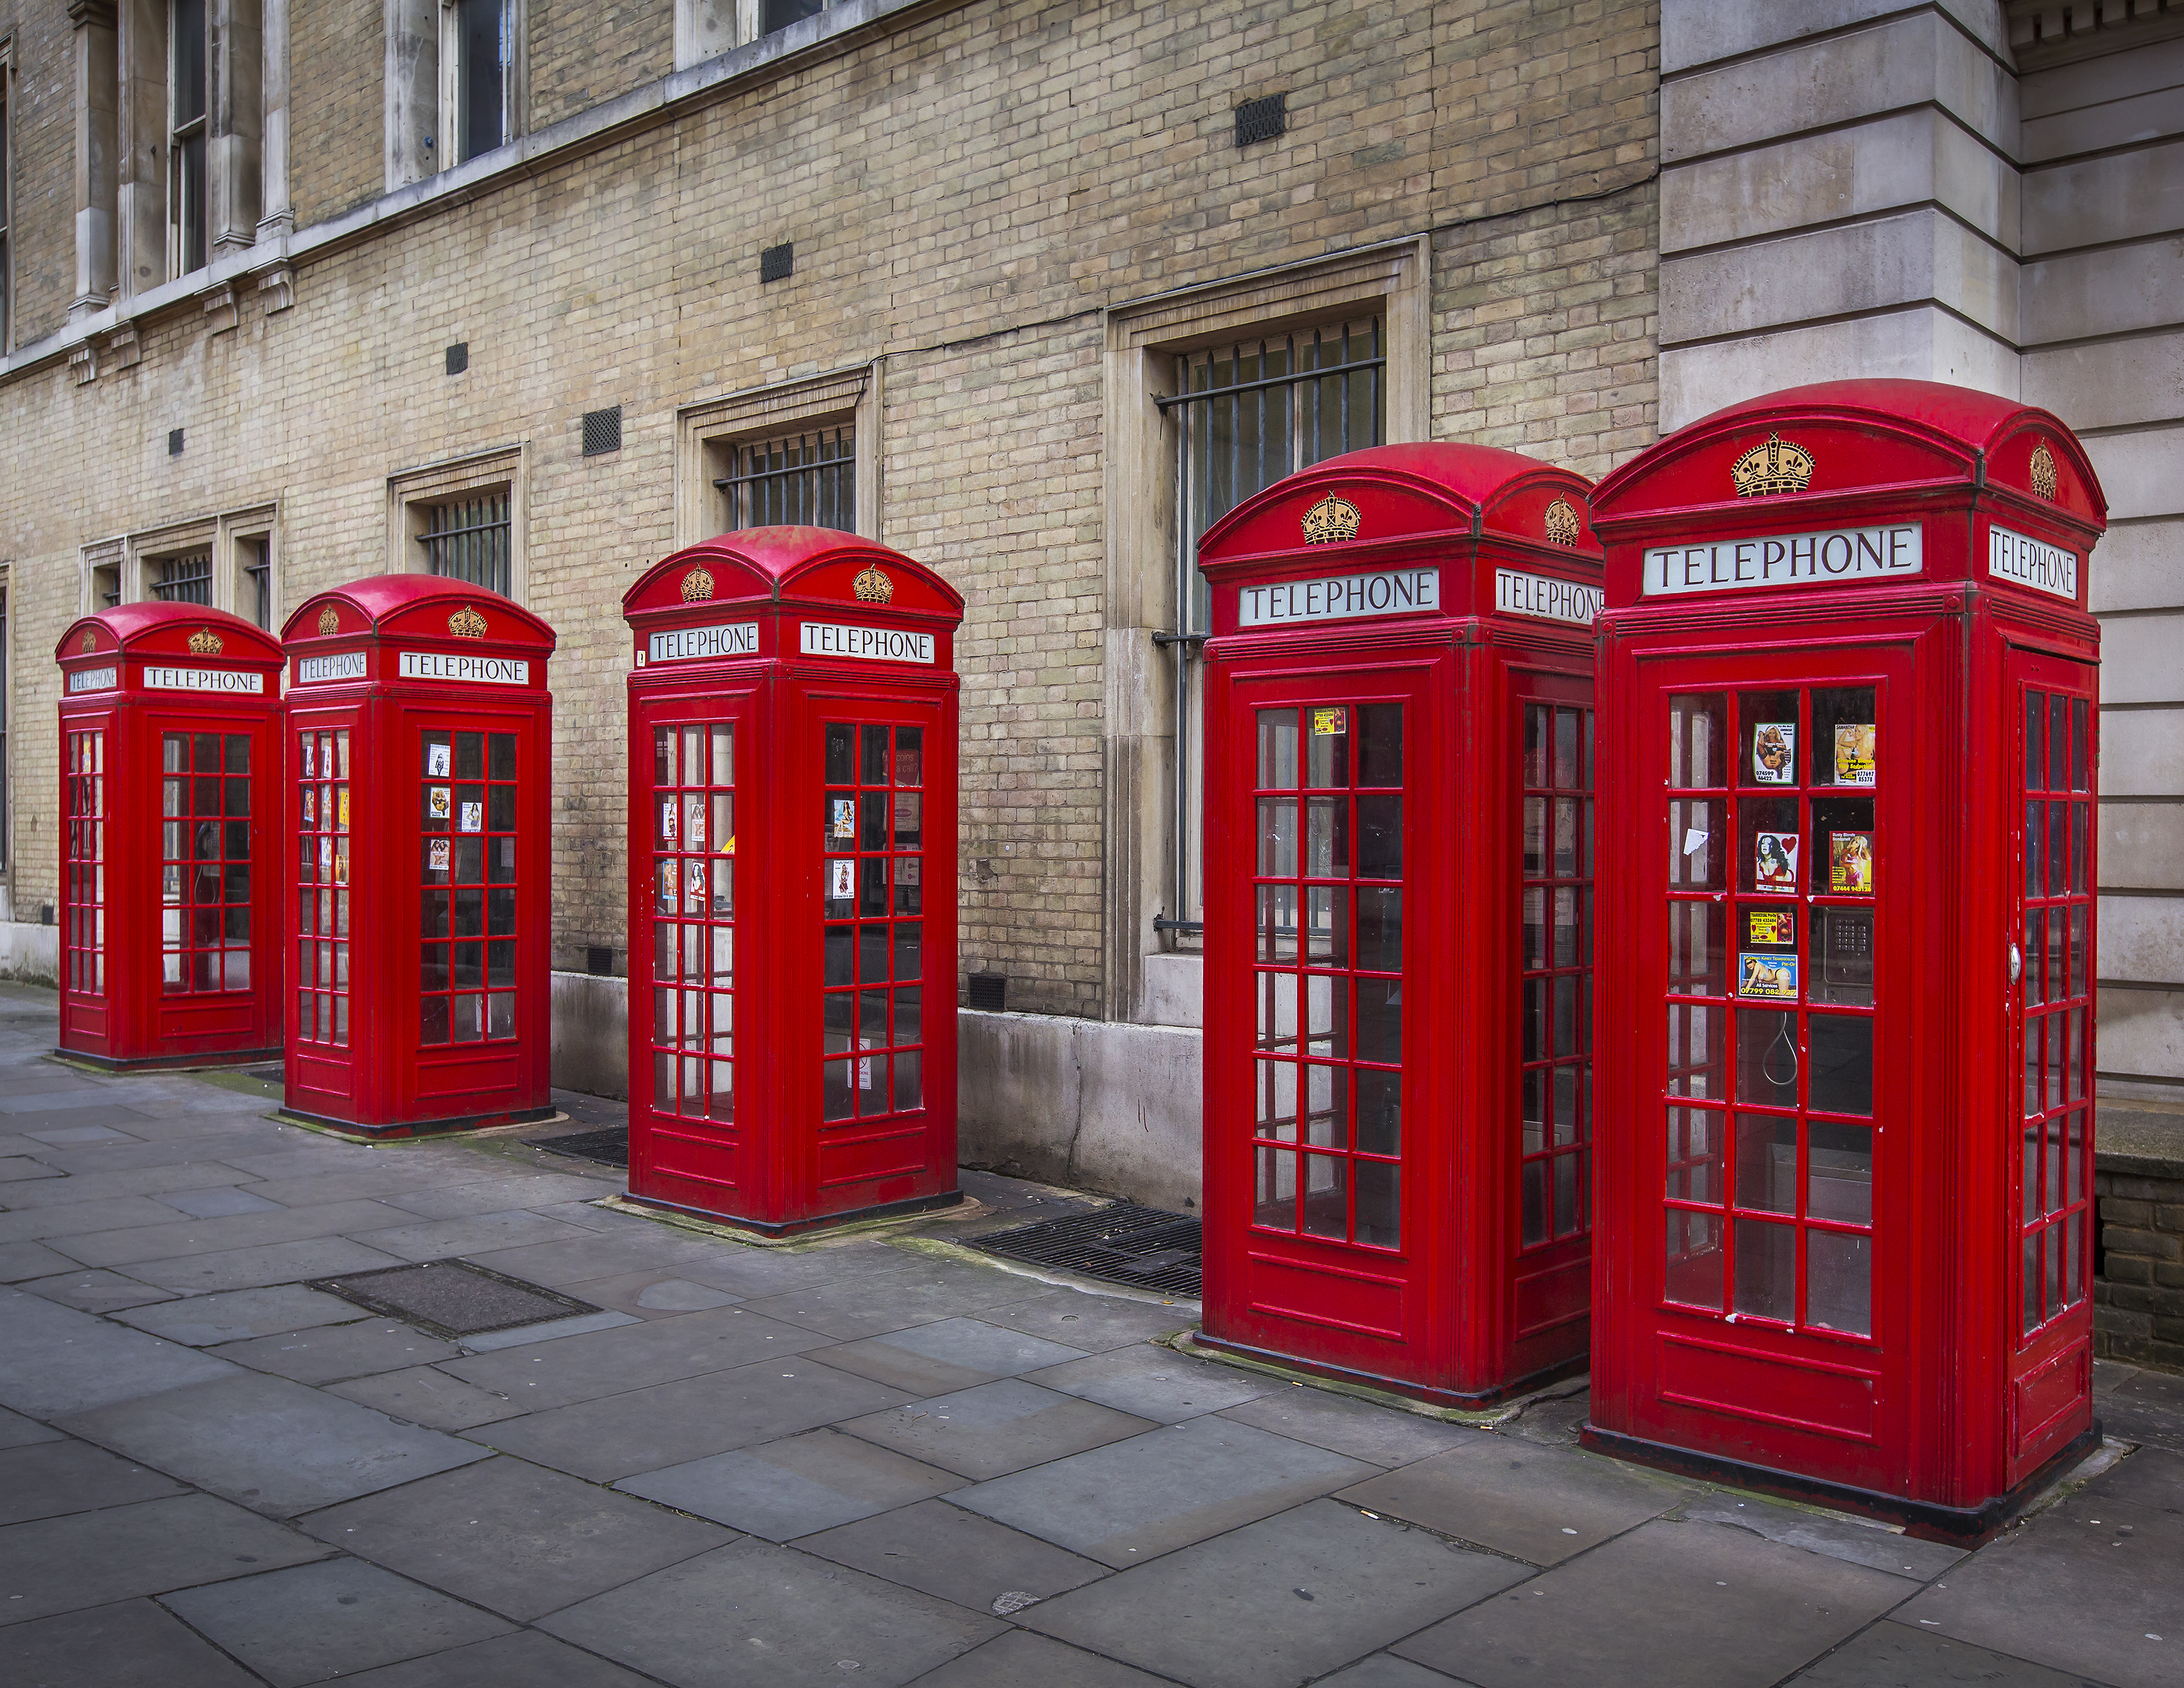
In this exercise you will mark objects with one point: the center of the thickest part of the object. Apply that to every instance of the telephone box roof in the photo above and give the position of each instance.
(414, 606)
(157, 629)
(792, 565)
(1446, 488)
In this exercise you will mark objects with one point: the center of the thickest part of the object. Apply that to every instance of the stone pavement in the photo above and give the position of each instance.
(851, 1460)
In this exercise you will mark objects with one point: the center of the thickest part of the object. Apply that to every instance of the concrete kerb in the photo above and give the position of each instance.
(470, 1134)
(1487, 1418)
(968, 1208)
(944, 1249)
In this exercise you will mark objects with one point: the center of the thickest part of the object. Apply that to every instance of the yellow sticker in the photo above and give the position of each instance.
(1330, 723)
(1771, 927)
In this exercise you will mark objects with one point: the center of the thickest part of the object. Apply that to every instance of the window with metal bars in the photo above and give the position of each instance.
(255, 599)
(807, 478)
(468, 539)
(186, 579)
(1246, 413)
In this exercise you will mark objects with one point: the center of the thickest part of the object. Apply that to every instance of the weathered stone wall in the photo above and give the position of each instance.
(41, 213)
(336, 105)
(2138, 1293)
(584, 52)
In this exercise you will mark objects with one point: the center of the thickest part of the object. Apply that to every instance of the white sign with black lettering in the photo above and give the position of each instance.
(867, 644)
(1339, 598)
(1518, 594)
(203, 680)
(348, 666)
(2030, 562)
(490, 671)
(94, 679)
(684, 644)
(1779, 560)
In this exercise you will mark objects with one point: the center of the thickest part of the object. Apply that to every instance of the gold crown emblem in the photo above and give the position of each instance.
(206, 642)
(697, 586)
(466, 624)
(2043, 471)
(89, 642)
(329, 623)
(1777, 467)
(1561, 523)
(872, 586)
(1330, 521)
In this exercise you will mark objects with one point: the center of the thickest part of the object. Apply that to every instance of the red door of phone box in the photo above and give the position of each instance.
(792, 891)
(1846, 997)
(1398, 950)
(420, 757)
(170, 910)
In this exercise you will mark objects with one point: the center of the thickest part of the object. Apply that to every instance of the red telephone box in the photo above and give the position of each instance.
(792, 913)
(420, 756)
(1398, 957)
(169, 762)
(1847, 1003)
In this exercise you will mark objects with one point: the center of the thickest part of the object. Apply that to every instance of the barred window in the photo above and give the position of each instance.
(808, 478)
(468, 539)
(253, 598)
(1245, 414)
(186, 579)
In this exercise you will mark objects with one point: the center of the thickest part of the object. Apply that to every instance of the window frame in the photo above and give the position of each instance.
(707, 435)
(515, 38)
(128, 560)
(173, 145)
(7, 201)
(414, 494)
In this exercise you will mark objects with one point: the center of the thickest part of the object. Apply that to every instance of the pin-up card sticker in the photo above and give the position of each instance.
(437, 801)
(437, 854)
(311, 806)
(668, 884)
(1854, 753)
(341, 861)
(473, 817)
(697, 884)
(1850, 864)
(310, 759)
(1770, 978)
(1774, 862)
(671, 818)
(437, 763)
(341, 808)
(1775, 753)
(696, 830)
(845, 822)
(841, 879)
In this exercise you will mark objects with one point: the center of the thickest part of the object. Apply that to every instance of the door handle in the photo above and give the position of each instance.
(2016, 963)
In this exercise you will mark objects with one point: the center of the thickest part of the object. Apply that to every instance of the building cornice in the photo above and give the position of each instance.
(2045, 33)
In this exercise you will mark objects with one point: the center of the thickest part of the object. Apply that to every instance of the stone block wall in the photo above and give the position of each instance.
(2138, 1287)
(585, 52)
(336, 106)
(41, 160)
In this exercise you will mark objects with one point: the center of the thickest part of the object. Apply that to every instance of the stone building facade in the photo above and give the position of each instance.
(429, 238)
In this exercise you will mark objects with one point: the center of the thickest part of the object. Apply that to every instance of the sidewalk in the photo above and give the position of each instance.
(852, 1461)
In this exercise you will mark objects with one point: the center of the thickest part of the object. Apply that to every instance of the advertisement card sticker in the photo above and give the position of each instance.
(1775, 753)
(473, 817)
(697, 826)
(437, 802)
(437, 854)
(1770, 978)
(1771, 926)
(341, 808)
(841, 879)
(1774, 862)
(1329, 723)
(310, 807)
(1850, 863)
(845, 819)
(1855, 753)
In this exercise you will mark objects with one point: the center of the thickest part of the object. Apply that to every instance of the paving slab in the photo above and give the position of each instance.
(1896, 1654)
(957, 1556)
(2136, 1404)
(1382, 1436)
(46, 1479)
(236, 1137)
(1386, 1670)
(474, 1233)
(62, 1360)
(1018, 1657)
(1279, 1602)
(505, 1193)
(645, 1429)
(86, 1559)
(425, 1395)
(1092, 1322)
(1536, 1503)
(394, 1174)
(752, 1612)
(16, 1431)
(198, 1175)
(340, 1352)
(526, 1659)
(513, 1537)
(96, 1292)
(752, 1272)
(949, 1354)
(19, 1168)
(658, 1293)
(546, 1330)
(19, 1262)
(1123, 1503)
(1836, 1535)
(1157, 1383)
(849, 1308)
(541, 1376)
(577, 1258)
(131, 1644)
(236, 1315)
(793, 1486)
(247, 1269)
(275, 1447)
(181, 1237)
(312, 1622)
(1664, 1606)
(994, 1428)
(81, 1218)
(2082, 1586)
(221, 1202)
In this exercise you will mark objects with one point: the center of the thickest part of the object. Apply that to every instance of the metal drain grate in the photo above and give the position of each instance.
(1124, 1243)
(609, 1148)
(452, 1298)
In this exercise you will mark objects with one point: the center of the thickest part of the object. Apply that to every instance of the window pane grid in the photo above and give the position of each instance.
(693, 852)
(872, 904)
(1555, 992)
(2053, 1169)
(469, 541)
(467, 938)
(83, 925)
(322, 887)
(204, 862)
(1328, 973)
(1770, 1128)
(808, 478)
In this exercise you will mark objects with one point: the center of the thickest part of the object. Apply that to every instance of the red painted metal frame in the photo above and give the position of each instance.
(132, 1023)
(778, 1166)
(1947, 1416)
(378, 1076)
(1459, 1312)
